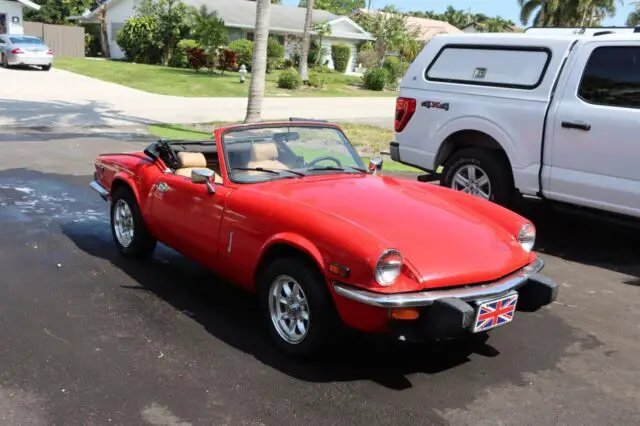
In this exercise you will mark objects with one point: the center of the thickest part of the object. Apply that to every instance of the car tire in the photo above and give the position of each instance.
(323, 324)
(492, 163)
(5, 62)
(140, 244)
(46, 67)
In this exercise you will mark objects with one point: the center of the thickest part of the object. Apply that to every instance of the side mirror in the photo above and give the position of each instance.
(375, 165)
(200, 176)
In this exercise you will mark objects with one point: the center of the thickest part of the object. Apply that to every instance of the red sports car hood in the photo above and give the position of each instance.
(445, 241)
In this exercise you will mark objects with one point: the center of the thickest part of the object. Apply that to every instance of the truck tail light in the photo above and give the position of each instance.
(405, 107)
(16, 51)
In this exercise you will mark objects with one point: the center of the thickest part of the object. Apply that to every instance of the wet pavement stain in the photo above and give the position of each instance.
(190, 314)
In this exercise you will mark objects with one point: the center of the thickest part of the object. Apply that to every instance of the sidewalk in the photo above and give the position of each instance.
(64, 99)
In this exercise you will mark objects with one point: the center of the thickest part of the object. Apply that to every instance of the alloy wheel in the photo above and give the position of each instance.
(289, 309)
(471, 179)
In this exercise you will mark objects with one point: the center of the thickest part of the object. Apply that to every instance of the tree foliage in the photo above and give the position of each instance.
(339, 7)
(571, 13)
(634, 17)
(462, 18)
(389, 28)
(170, 15)
(57, 11)
(139, 39)
(207, 29)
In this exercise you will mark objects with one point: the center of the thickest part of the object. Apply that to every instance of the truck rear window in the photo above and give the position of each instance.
(499, 66)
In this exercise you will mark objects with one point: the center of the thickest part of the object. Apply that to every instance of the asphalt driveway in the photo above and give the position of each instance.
(91, 338)
(30, 97)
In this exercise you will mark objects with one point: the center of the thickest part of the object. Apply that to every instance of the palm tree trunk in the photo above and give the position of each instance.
(258, 63)
(303, 68)
(104, 37)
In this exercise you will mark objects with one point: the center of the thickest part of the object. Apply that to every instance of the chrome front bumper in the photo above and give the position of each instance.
(427, 298)
(100, 189)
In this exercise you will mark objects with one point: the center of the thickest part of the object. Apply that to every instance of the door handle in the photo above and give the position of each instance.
(576, 125)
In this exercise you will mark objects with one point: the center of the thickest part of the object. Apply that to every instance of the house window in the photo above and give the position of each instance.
(3, 23)
(115, 27)
(250, 36)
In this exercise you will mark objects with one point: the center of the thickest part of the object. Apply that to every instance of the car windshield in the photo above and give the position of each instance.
(25, 40)
(264, 153)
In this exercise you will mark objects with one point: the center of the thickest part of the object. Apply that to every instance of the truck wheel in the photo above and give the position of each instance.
(480, 172)
(297, 307)
(127, 226)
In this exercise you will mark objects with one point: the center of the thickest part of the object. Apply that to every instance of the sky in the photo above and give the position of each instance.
(508, 9)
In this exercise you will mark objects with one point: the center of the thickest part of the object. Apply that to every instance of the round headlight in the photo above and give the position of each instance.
(388, 267)
(527, 237)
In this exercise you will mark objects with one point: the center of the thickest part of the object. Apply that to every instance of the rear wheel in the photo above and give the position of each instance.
(127, 226)
(480, 172)
(46, 67)
(297, 307)
(5, 61)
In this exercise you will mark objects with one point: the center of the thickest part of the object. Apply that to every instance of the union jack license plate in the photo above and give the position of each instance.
(494, 313)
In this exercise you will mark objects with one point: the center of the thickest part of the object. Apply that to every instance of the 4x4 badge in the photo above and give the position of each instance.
(439, 105)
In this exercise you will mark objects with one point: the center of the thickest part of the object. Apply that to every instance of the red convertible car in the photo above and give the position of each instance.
(289, 211)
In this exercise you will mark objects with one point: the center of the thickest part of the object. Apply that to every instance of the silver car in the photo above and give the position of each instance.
(19, 49)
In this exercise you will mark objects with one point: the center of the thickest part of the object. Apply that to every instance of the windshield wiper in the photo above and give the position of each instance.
(338, 168)
(273, 171)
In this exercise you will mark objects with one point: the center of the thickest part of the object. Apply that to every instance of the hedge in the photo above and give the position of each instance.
(340, 53)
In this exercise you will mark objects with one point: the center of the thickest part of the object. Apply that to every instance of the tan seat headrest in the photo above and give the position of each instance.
(264, 151)
(192, 159)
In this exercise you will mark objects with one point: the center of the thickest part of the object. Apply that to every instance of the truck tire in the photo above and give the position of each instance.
(481, 172)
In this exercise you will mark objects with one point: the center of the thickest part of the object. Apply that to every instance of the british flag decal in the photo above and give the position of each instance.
(495, 313)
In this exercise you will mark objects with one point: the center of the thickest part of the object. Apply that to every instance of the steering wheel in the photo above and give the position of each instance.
(325, 157)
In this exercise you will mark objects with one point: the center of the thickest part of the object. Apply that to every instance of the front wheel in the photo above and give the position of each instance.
(5, 61)
(127, 226)
(297, 307)
(480, 172)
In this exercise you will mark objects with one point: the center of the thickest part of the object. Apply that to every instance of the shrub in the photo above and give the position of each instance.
(197, 57)
(275, 54)
(376, 79)
(138, 39)
(227, 60)
(289, 79)
(394, 69)
(340, 53)
(367, 46)
(318, 79)
(244, 52)
(368, 59)
(323, 69)
(180, 58)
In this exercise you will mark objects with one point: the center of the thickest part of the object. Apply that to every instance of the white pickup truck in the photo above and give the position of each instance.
(549, 116)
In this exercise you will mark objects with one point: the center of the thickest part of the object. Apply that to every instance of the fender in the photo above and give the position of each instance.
(127, 178)
(479, 124)
(296, 241)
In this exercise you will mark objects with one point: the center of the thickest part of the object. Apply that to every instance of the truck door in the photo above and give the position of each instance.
(593, 148)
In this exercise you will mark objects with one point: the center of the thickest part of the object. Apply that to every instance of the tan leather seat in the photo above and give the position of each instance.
(190, 161)
(265, 155)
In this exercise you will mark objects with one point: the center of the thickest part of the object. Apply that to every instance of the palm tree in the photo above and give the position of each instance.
(258, 62)
(634, 17)
(303, 66)
(104, 38)
(545, 12)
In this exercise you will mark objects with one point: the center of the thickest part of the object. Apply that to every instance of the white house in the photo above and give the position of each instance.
(11, 15)
(286, 23)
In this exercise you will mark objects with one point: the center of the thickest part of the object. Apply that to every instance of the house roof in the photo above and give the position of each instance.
(283, 19)
(425, 28)
(29, 4)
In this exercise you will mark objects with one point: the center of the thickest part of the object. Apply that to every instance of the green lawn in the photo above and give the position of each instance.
(367, 139)
(186, 82)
